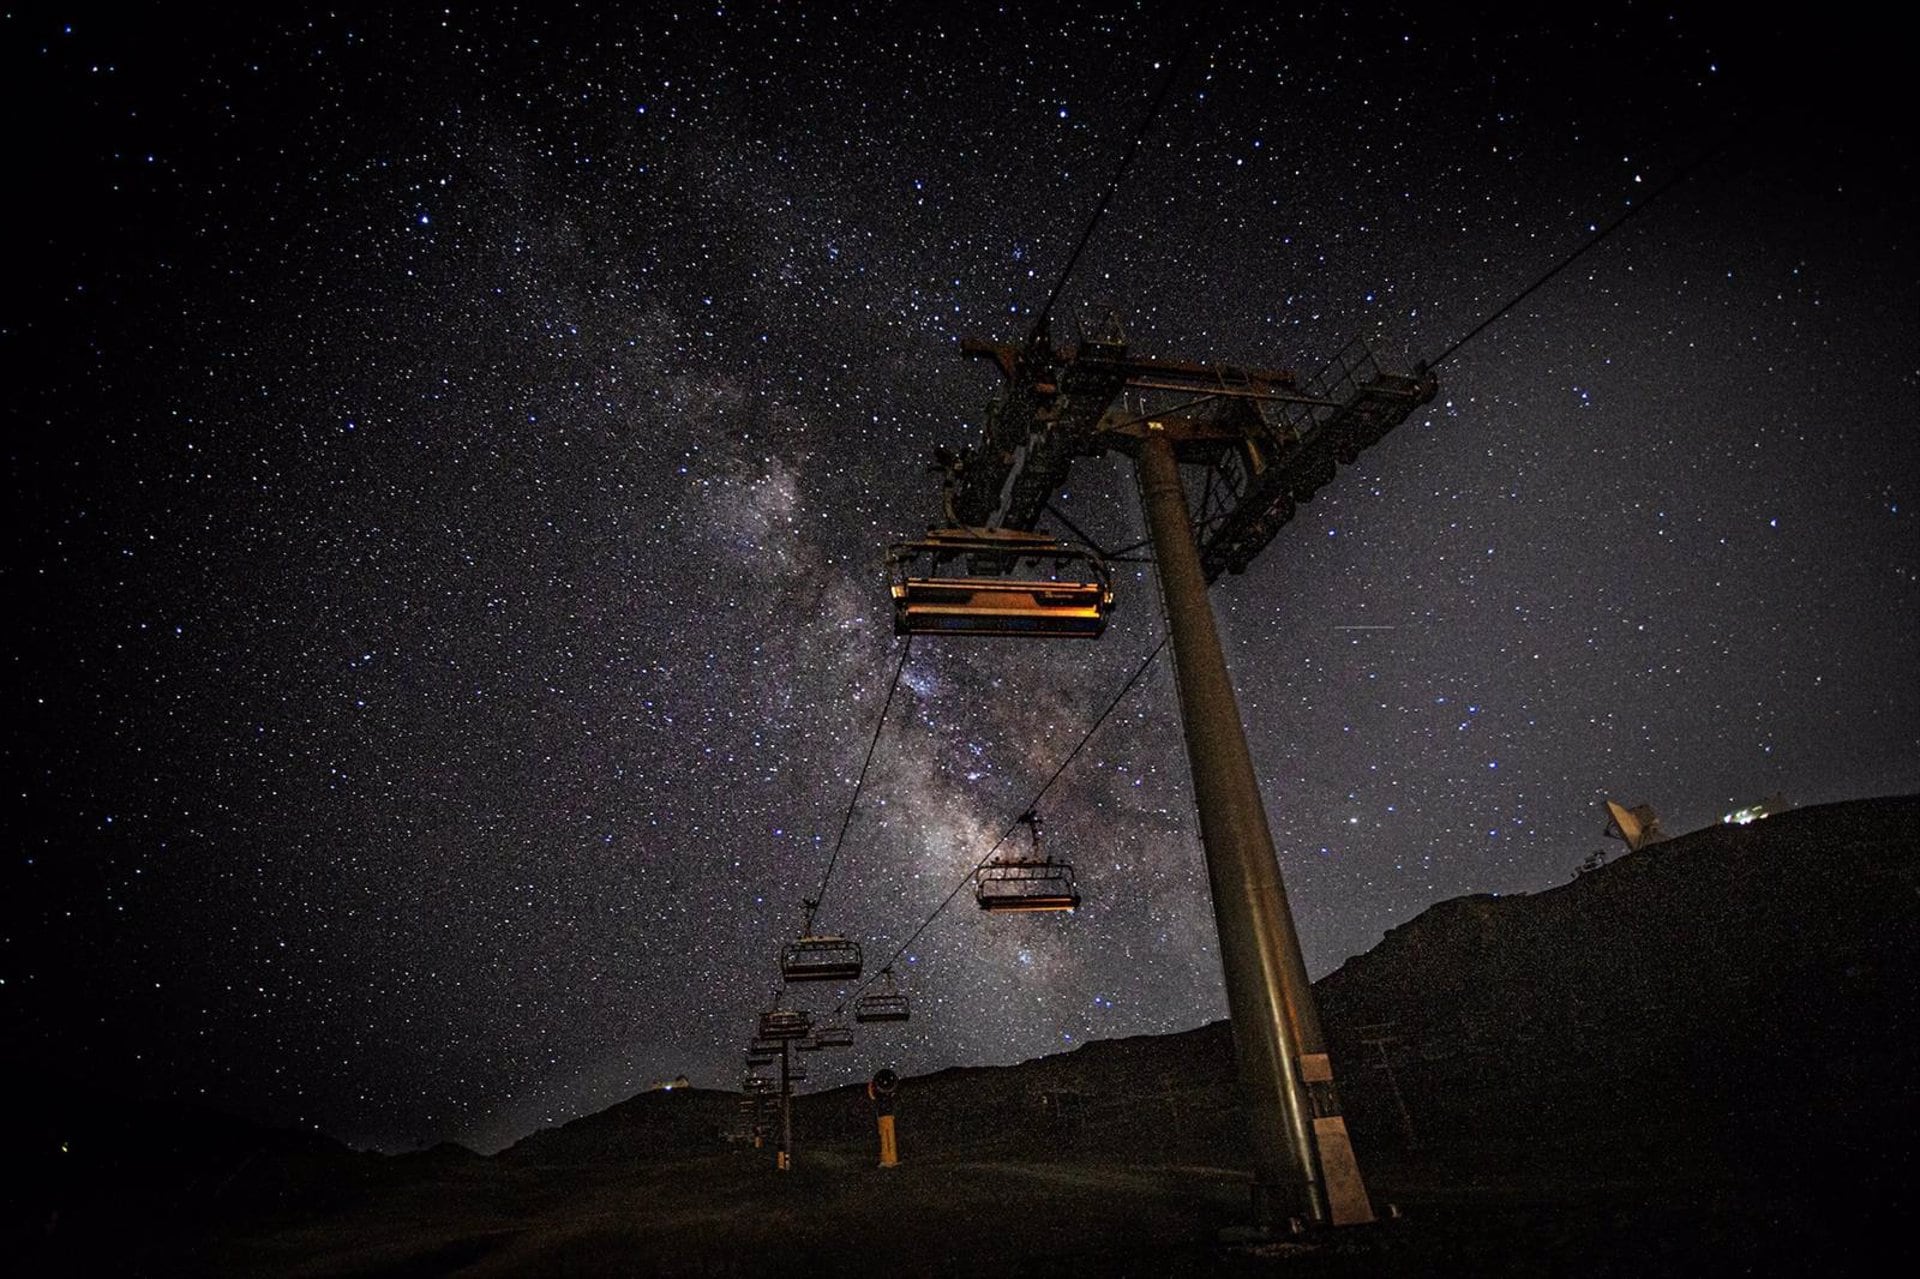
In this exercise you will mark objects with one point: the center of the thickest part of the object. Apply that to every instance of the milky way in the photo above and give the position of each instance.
(455, 455)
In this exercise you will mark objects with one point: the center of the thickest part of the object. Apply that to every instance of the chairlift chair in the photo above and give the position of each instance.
(758, 1058)
(998, 592)
(1009, 887)
(882, 1005)
(834, 1036)
(821, 958)
(785, 1023)
(1032, 883)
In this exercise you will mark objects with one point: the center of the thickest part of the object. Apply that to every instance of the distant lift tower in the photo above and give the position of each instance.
(1262, 440)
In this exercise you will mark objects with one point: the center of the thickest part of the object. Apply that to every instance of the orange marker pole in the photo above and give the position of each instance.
(880, 1090)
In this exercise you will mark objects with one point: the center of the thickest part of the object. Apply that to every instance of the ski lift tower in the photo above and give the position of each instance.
(1258, 441)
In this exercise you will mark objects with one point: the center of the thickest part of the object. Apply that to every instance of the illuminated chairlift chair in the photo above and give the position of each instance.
(1030, 883)
(1069, 598)
(882, 1005)
(786, 1023)
(754, 1085)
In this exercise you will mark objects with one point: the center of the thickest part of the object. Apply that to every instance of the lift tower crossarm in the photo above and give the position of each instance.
(1054, 407)
(1139, 369)
(1270, 439)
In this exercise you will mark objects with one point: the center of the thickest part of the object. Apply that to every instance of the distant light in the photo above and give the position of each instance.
(1746, 816)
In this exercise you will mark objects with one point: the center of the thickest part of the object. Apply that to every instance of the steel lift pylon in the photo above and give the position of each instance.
(1263, 441)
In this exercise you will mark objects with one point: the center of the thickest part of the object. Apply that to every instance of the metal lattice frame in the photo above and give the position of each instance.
(1266, 439)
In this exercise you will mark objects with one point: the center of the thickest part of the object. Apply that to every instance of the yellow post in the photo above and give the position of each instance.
(889, 1152)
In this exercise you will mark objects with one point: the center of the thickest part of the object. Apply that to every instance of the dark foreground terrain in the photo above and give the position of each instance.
(724, 1214)
(1700, 1059)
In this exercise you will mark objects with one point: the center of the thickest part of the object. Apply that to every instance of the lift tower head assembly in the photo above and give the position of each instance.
(1268, 438)
(1263, 440)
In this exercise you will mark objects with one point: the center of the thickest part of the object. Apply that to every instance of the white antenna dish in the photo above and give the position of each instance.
(1636, 827)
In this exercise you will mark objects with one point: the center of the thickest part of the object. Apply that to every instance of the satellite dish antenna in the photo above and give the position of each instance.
(1624, 825)
(1636, 827)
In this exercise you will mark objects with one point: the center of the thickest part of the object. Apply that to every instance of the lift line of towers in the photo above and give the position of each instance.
(1262, 441)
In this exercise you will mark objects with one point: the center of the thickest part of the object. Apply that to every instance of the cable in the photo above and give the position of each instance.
(813, 903)
(1011, 826)
(1681, 176)
(1040, 321)
(1126, 162)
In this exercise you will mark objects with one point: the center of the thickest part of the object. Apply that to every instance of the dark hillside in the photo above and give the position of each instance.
(1698, 1058)
(1735, 996)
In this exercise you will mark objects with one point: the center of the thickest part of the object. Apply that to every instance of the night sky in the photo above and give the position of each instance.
(451, 456)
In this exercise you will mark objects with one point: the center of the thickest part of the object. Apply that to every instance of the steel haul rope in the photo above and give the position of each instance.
(1675, 180)
(813, 903)
(1126, 162)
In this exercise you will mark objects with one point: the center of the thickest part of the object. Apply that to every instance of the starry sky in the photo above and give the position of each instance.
(452, 452)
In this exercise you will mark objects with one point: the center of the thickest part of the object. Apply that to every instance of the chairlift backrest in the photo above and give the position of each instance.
(821, 958)
(785, 1023)
(1015, 886)
(881, 1007)
(1035, 882)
